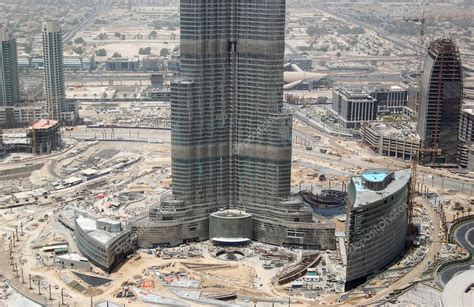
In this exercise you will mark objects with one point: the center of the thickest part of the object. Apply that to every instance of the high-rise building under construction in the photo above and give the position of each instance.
(231, 140)
(441, 96)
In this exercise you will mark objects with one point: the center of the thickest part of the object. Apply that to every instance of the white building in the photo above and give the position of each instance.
(54, 87)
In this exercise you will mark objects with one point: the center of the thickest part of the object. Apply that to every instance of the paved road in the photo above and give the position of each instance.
(464, 235)
(421, 267)
(120, 134)
(85, 23)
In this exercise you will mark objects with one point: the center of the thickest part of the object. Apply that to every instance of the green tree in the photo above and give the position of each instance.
(117, 34)
(123, 37)
(28, 48)
(116, 55)
(101, 52)
(313, 31)
(145, 51)
(164, 52)
(79, 50)
(324, 48)
(152, 35)
(79, 40)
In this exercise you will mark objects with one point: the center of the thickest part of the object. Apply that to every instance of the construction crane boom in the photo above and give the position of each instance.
(415, 156)
(421, 44)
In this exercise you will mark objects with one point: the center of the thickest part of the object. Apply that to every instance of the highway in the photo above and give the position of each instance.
(70, 35)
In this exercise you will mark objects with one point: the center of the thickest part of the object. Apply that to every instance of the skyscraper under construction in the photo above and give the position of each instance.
(231, 140)
(441, 96)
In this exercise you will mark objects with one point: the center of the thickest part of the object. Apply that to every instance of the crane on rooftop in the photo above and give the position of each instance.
(421, 44)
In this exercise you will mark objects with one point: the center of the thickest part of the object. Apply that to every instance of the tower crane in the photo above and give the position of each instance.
(415, 156)
(421, 44)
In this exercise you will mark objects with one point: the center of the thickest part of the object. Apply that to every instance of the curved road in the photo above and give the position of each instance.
(464, 235)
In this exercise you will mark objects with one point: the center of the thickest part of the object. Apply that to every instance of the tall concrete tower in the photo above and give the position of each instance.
(231, 140)
(441, 97)
(54, 88)
(9, 85)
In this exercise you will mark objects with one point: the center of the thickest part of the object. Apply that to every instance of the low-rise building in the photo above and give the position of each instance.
(391, 139)
(71, 62)
(104, 242)
(162, 94)
(303, 61)
(22, 115)
(153, 63)
(157, 80)
(174, 63)
(391, 99)
(353, 106)
(120, 64)
(73, 261)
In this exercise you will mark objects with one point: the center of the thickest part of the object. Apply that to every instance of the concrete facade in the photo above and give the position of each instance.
(391, 99)
(353, 106)
(376, 223)
(466, 140)
(390, 139)
(54, 86)
(22, 115)
(73, 261)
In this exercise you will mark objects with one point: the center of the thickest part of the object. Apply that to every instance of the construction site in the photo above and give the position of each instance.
(43, 137)
(118, 180)
(134, 208)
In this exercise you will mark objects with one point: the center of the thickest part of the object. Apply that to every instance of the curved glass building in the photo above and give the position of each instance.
(377, 222)
(441, 98)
